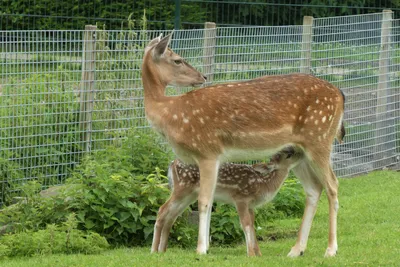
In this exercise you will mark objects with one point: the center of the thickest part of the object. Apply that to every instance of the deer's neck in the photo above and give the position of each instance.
(153, 86)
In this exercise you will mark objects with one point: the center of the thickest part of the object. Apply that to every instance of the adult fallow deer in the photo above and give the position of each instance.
(246, 120)
(242, 185)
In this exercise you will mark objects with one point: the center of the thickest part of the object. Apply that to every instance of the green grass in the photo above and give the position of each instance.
(368, 233)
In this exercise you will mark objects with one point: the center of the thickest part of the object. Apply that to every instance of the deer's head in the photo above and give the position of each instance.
(171, 68)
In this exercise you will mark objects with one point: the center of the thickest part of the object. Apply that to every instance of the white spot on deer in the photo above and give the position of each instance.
(295, 105)
(315, 111)
(175, 117)
(224, 121)
(298, 97)
(312, 117)
(308, 108)
(319, 128)
(330, 117)
(198, 137)
(329, 107)
(305, 120)
(194, 144)
(324, 135)
(311, 133)
(316, 122)
(305, 91)
(185, 120)
(216, 112)
(187, 101)
(300, 118)
(171, 101)
(302, 130)
(230, 85)
(323, 119)
(184, 174)
(320, 112)
(239, 84)
(290, 103)
(201, 120)
(319, 138)
(317, 101)
(330, 99)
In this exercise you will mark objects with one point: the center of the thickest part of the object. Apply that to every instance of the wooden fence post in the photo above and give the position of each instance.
(305, 64)
(210, 32)
(382, 116)
(87, 84)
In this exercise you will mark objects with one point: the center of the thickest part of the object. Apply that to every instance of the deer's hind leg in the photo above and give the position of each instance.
(315, 174)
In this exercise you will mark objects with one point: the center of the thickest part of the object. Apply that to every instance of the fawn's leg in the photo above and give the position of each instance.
(246, 220)
(177, 206)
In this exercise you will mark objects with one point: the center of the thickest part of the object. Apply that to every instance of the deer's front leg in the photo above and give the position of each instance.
(208, 180)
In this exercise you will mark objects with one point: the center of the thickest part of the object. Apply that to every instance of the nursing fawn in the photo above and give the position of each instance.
(244, 186)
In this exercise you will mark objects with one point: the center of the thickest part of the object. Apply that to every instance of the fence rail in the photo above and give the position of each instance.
(64, 93)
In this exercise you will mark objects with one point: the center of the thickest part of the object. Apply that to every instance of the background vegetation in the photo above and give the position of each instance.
(61, 14)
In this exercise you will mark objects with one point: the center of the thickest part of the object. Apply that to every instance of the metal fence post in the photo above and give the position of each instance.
(177, 21)
(305, 64)
(382, 139)
(87, 84)
(210, 32)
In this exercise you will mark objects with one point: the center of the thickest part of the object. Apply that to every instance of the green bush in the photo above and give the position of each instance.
(65, 238)
(117, 193)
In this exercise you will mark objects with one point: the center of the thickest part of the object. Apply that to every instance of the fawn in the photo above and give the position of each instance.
(244, 186)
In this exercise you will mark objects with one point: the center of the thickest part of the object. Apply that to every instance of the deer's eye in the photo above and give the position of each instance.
(178, 61)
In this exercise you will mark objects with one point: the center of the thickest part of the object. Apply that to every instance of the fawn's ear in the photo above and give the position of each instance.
(162, 46)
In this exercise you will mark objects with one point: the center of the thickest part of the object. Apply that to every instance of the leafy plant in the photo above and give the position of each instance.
(65, 238)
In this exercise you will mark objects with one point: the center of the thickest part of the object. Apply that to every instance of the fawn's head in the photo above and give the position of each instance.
(285, 159)
(170, 68)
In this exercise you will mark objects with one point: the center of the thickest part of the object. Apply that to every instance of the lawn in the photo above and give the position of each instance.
(368, 235)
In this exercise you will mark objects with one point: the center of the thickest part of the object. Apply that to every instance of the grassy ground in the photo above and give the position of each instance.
(369, 235)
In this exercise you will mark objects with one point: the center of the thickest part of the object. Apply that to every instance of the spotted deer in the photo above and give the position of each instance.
(246, 120)
(244, 186)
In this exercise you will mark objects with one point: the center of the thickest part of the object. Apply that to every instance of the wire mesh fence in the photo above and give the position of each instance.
(65, 93)
(359, 55)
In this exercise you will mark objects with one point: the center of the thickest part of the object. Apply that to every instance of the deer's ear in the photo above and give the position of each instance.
(152, 43)
(162, 46)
